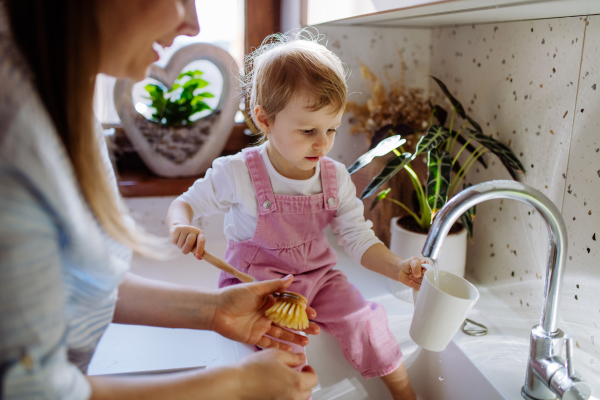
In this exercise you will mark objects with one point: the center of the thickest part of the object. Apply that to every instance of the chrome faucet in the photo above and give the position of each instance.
(548, 374)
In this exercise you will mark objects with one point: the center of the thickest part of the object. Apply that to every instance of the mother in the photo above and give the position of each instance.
(65, 242)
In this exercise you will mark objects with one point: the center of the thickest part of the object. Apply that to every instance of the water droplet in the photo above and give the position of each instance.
(441, 378)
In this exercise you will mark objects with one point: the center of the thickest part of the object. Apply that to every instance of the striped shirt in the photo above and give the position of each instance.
(59, 271)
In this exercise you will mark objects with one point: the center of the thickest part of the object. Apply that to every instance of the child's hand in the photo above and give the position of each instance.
(188, 238)
(411, 272)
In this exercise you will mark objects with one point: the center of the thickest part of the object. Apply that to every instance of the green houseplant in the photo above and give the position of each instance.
(179, 104)
(168, 129)
(443, 147)
(171, 123)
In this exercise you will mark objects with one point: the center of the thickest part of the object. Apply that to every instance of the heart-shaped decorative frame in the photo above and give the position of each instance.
(219, 131)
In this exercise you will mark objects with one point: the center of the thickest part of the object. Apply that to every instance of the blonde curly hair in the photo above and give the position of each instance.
(290, 65)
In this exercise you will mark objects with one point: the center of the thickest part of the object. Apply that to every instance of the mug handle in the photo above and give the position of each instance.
(416, 292)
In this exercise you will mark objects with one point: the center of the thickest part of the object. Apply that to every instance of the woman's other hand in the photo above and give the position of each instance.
(270, 374)
(240, 315)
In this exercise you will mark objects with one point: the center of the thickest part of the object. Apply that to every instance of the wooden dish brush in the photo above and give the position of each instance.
(290, 309)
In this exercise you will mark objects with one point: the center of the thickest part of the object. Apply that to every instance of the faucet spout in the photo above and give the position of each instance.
(547, 375)
(466, 199)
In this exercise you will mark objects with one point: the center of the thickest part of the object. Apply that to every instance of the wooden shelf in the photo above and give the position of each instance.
(434, 13)
(136, 180)
(143, 184)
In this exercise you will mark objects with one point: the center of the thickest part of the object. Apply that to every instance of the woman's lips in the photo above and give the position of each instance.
(156, 55)
(157, 49)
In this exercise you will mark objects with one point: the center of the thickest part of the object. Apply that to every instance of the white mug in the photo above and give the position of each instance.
(439, 312)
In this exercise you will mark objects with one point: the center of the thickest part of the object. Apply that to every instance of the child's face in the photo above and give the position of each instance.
(298, 137)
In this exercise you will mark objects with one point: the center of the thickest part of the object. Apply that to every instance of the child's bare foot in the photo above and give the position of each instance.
(399, 385)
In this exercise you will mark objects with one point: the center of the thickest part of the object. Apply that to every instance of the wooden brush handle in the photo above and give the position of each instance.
(223, 266)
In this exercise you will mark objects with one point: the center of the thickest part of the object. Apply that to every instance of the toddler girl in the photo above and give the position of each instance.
(279, 197)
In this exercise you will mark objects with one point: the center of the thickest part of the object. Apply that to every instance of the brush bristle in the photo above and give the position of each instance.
(289, 314)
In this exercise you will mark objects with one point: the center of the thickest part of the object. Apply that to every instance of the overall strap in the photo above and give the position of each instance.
(329, 182)
(260, 180)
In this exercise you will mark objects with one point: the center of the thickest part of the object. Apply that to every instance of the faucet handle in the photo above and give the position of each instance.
(565, 382)
(569, 349)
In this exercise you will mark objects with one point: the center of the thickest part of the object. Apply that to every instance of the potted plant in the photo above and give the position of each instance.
(405, 108)
(170, 128)
(443, 146)
(179, 104)
(173, 141)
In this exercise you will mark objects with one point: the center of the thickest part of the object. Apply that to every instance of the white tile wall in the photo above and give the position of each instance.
(520, 80)
(151, 213)
(526, 83)
(378, 49)
(503, 75)
(581, 207)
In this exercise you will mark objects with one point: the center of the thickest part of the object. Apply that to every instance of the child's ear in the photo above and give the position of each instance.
(261, 119)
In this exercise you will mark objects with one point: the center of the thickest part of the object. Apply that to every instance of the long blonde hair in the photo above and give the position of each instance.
(60, 41)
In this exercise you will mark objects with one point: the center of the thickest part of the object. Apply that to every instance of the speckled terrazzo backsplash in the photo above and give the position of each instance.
(534, 85)
(379, 50)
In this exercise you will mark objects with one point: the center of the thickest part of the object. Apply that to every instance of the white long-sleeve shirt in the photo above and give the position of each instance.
(227, 189)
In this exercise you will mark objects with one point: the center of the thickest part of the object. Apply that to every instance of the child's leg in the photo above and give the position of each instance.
(399, 385)
(362, 330)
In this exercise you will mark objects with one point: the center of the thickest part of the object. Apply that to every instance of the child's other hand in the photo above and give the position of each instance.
(412, 271)
(188, 238)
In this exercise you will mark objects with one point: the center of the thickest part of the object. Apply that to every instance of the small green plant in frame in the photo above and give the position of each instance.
(443, 147)
(178, 105)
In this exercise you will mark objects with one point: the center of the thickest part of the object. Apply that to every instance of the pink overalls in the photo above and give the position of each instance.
(289, 239)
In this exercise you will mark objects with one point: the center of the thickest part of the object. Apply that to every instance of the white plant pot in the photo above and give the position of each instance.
(213, 130)
(406, 244)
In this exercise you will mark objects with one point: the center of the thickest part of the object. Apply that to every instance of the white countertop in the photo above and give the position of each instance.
(501, 355)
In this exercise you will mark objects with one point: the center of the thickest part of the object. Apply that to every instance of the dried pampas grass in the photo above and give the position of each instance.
(399, 105)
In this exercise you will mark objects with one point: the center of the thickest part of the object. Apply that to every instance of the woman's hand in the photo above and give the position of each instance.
(188, 238)
(266, 375)
(240, 315)
(410, 272)
(269, 375)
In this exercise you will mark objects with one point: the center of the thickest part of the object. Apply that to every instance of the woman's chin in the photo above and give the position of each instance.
(139, 74)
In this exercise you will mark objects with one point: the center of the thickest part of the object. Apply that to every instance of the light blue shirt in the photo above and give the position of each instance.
(59, 271)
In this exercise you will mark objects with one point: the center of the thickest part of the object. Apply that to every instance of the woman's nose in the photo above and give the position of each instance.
(190, 26)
